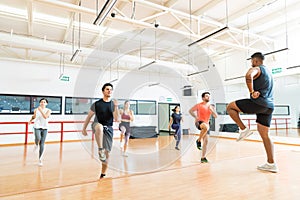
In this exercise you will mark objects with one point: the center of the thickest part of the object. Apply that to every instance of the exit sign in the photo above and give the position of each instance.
(65, 78)
(276, 70)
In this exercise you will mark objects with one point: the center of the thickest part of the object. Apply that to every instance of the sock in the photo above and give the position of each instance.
(270, 164)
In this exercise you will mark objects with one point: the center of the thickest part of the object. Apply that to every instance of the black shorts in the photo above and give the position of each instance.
(198, 123)
(263, 114)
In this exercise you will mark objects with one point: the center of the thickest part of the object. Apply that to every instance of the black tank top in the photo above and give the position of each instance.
(104, 112)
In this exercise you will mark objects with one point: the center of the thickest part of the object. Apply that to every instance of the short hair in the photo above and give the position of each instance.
(43, 99)
(204, 93)
(258, 55)
(105, 85)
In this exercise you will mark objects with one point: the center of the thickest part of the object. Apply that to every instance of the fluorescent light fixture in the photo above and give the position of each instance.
(153, 84)
(75, 55)
(147, 65)
(209, 35)
(104, 11)
(273, 52)
(113, 80)
(229, 79)
(293, 67)
(195, 73)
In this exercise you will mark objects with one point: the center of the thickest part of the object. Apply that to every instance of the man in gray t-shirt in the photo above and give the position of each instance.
(105, 111)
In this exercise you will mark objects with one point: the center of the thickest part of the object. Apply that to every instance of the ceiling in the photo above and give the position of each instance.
(50, 31)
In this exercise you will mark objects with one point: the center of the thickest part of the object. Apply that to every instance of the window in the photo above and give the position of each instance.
(146, 107)
(14, 104)
(221, 108)
(25, 104)
(54, 103)
(78, 105)
(133, 105)
(281, 110)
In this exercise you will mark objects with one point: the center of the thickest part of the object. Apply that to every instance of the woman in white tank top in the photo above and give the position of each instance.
(40, 116)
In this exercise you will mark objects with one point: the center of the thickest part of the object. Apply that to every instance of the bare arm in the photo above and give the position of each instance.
(192, 112)
(45, 115)
(116, 110)
(213, 111)
(131, 115)
(87, 121)
(252, 74)
(171, 121)
(33, 116)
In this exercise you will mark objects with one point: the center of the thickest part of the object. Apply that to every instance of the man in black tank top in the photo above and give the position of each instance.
(106, 111)
(260, 84)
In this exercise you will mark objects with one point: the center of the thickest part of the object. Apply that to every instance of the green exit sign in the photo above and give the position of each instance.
(65, 78)
(169, 99)
(277, 70)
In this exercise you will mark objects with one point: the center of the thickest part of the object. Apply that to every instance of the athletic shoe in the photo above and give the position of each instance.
(204, 160)
(125, 154)
(268, 167)
(102, 155)
(243, 134)
(177, 148)
(198, 143)
(102, 176)
(40, 163)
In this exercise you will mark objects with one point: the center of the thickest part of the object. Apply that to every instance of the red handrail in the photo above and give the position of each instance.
(276, 123)
(26, 131)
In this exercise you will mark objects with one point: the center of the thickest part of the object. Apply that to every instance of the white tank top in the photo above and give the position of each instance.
(39, 121)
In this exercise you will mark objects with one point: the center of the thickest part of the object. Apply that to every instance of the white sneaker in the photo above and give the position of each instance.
(268, 167)
(244, 133)
(125, 154)
(102, 155)
(40, 163)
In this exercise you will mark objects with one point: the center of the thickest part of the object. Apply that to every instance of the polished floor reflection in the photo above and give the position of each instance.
(153, 170)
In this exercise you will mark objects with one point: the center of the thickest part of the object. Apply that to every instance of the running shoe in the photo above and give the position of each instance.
(177, 148)
(102, 155)
(102, 176)
(204, 160)
(267, 167)
(243, 134)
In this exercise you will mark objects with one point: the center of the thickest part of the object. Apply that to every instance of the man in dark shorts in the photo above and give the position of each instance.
(260, 84)
(106, 111)
(202, 112)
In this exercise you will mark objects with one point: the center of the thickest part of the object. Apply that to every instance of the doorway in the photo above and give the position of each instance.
(164, 114)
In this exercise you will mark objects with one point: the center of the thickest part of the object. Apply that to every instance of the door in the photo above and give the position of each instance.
(164, 114)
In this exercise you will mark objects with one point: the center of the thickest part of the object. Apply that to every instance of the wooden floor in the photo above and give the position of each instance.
(153, 170)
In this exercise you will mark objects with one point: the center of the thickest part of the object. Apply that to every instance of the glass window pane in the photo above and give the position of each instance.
(54, 103)
(78, 105)
(14, 104)
(146, 107)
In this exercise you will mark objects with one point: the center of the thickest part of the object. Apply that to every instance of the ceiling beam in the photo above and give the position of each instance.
(71, 22)
(171, 3)
(30, 17)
